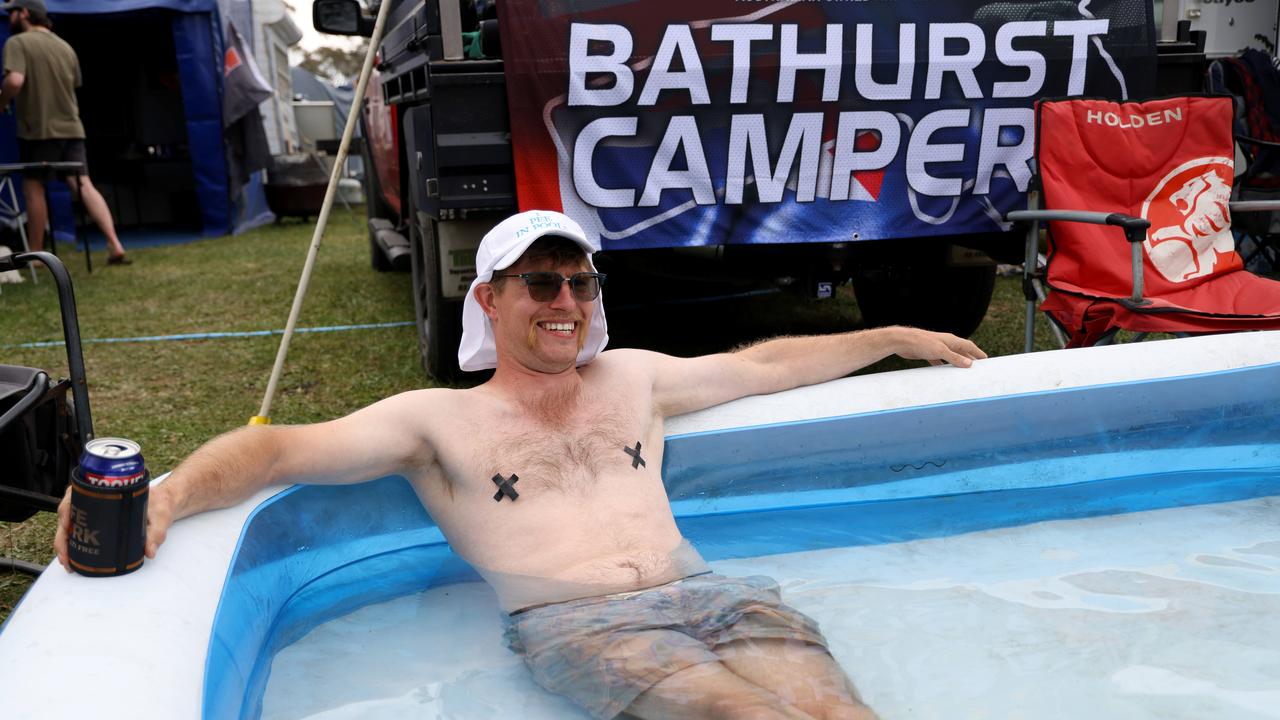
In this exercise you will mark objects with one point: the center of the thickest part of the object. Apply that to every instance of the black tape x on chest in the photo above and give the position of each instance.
(505, 487)
(636, 460)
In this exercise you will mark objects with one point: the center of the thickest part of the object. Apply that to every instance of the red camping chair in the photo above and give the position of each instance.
(1157, 174)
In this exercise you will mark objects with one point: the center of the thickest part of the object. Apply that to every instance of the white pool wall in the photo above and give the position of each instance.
(135, 646)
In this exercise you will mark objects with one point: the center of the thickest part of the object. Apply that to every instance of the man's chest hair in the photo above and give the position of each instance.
(568, 457)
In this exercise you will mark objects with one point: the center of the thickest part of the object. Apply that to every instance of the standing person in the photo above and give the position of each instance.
(608, 604)
(42, 72)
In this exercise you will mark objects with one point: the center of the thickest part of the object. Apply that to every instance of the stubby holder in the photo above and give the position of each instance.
(108, 526)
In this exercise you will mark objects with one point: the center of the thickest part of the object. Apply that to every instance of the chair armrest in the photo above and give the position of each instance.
(1132, 225)
(1254, 205)
(1084, 216)
(1135, 231)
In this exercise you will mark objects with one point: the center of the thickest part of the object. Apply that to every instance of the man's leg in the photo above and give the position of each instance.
(37, 212)
(98, 211)
(710, 690)
(800, 673)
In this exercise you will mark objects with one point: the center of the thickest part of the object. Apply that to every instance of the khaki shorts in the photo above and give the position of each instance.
(603, 652)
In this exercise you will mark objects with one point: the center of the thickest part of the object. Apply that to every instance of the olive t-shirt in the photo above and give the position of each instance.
(46, 104)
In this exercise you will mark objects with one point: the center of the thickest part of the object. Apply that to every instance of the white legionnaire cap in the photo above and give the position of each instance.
(500, 249)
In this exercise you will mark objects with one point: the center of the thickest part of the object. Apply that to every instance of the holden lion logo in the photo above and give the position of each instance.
(1190, 219)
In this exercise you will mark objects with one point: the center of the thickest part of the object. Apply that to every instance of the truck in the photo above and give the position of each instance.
(729, 143)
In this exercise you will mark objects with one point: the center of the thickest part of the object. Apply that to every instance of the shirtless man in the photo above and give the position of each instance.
(559, 454)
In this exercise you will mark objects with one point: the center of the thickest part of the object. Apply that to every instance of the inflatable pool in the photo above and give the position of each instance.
(931, 459)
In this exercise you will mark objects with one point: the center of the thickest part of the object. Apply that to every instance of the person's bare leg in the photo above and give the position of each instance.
(37, 212)
(800, 673)
(96, 206)
(710, 690)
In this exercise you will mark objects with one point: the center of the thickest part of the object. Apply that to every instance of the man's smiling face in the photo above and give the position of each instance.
(542, 336)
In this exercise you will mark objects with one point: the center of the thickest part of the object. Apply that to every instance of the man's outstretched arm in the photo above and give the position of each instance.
(684, 385)
(374, 441)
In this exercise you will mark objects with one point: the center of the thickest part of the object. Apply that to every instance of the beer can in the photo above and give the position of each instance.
(112, 462)
(108, 509)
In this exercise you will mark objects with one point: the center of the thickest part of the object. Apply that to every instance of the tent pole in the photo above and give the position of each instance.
(264, 412)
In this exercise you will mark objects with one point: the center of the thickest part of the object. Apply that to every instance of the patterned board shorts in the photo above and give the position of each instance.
(603, 652)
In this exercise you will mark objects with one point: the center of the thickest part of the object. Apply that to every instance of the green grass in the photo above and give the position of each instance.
(171, 396)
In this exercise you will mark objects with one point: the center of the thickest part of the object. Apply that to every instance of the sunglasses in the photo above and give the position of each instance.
(545, 286)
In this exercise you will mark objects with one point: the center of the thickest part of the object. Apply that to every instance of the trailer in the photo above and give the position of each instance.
(714, 143)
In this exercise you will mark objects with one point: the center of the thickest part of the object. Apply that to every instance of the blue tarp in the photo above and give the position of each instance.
(198, 43)
(194, 40)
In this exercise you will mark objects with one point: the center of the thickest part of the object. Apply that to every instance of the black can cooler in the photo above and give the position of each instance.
(108, 526)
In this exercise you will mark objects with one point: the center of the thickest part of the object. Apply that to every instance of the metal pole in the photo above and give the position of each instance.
(71, 335)
(450, 30)
(1135, 252)
(1028, 276)
(1031, 254)
(264, 412)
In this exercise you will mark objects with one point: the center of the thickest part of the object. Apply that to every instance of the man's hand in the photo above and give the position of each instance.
(159, 518)
(937, 347)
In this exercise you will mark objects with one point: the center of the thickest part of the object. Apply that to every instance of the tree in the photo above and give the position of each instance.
(335, 64)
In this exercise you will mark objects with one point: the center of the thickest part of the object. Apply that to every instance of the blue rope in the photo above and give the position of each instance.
(211, 335)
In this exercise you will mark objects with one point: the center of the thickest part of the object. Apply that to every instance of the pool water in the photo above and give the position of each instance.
(1167, 613)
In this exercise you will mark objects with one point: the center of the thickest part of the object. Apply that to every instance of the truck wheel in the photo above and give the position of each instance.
(932, 296)
(439, 320)
(374, 208)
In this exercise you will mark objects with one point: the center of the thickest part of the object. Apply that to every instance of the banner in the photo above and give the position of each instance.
(656, 123)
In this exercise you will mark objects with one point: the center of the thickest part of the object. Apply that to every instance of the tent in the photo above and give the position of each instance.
(307, 86)
(152, 104)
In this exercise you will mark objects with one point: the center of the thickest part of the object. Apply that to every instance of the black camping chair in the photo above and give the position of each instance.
(1252, 77)
(41, 431)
